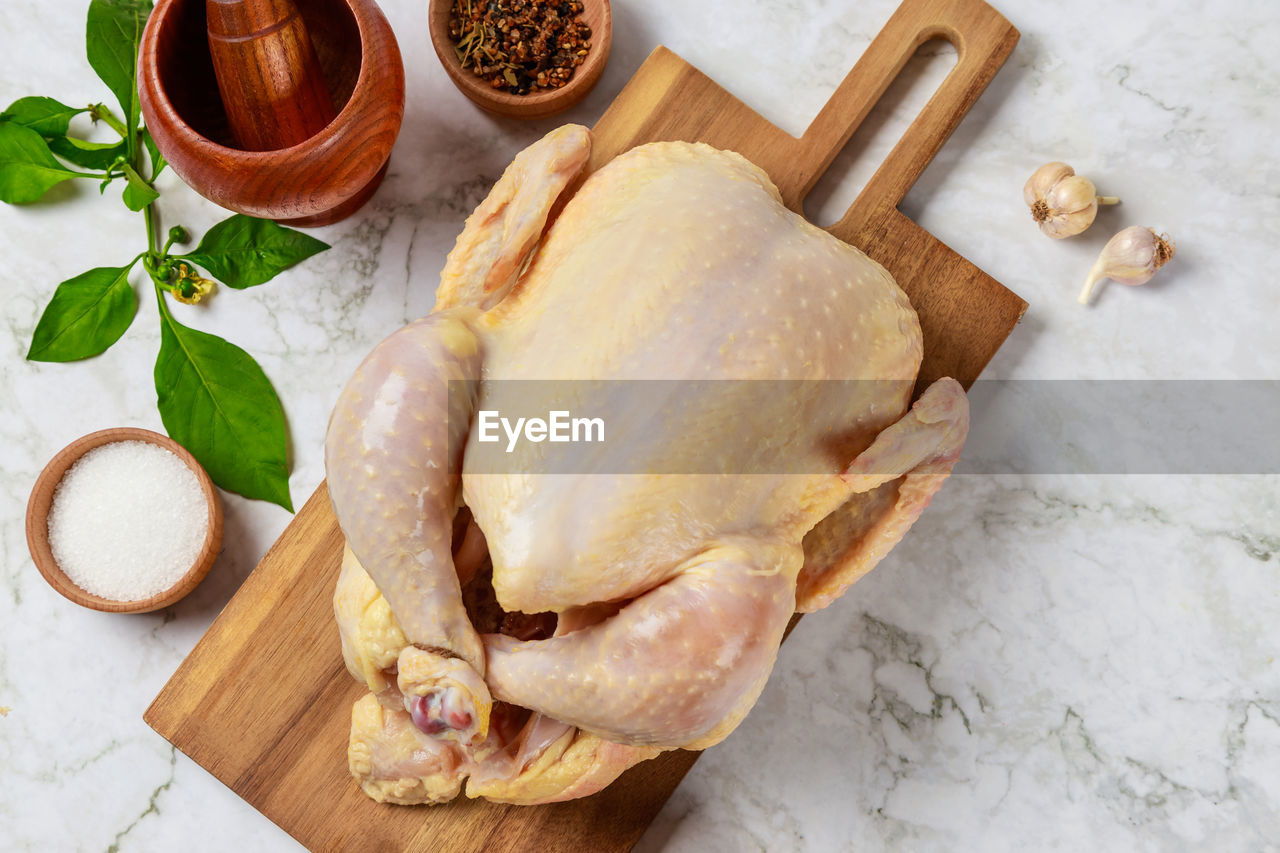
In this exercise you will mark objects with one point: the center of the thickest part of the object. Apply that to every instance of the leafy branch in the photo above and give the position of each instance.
(213, 398)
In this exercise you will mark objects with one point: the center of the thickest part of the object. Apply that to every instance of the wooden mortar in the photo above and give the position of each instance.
(316, 182)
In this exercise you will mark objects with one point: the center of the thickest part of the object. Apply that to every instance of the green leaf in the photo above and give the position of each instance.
(242, 251)
(45, 116)
(27, 169)
(87, 315)
(90, 155)
(138, 193)
(112, 33)
(215, 401)
(157, 159)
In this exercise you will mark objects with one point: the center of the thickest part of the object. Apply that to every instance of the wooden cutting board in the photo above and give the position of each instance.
(263, 701)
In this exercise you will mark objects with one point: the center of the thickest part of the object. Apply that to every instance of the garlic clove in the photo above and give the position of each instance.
(1075, 194)
(1062, 203)
(1043, 179)
(1130, 257)
(1072, 204)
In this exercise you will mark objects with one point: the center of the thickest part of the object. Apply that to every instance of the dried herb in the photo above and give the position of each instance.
(520, 46)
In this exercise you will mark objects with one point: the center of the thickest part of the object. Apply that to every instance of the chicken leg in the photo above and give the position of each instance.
(679, 666)
(393, 452)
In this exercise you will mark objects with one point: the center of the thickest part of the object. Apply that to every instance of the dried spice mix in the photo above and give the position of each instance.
(520, 46)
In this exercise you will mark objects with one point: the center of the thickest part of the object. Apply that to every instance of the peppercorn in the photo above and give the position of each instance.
(520, 45)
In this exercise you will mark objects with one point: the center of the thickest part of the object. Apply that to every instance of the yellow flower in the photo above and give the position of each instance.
(190, 287)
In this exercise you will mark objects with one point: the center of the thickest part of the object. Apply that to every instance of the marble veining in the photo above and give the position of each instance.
(1061, 662)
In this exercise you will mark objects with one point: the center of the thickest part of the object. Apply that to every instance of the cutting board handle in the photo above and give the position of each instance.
(982, 38)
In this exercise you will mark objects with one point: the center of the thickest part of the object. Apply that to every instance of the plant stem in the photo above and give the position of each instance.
(164, 307)
(100, 111)
(155, 257)
(148, 214)
(135, 150)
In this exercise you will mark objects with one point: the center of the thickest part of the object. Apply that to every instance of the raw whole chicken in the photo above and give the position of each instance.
(532, 633)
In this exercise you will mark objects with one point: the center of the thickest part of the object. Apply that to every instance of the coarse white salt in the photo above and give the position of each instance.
(127, 521)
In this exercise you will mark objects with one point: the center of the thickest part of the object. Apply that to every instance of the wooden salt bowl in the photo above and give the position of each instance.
(41, 502)
(317, 182)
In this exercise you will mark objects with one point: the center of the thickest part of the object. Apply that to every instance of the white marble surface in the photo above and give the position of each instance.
(1065, 662)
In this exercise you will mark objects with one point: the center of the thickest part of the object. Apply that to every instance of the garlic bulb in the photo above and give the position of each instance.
(1062, 202)
(1131, 257)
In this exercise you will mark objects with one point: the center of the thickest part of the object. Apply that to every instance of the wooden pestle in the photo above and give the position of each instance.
(272, 87)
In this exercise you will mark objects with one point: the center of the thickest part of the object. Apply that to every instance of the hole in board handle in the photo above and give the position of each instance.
(888, 120)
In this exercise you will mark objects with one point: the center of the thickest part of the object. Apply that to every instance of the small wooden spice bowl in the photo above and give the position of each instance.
(42, 499)
(317, 182)
(595, 13)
